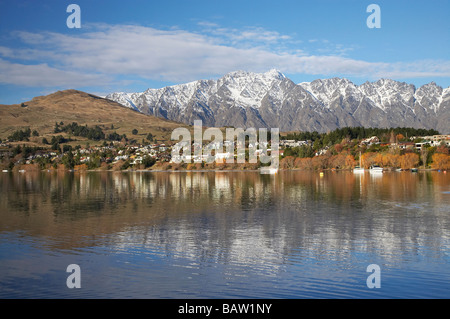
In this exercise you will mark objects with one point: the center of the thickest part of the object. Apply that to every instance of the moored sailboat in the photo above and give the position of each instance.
(359, 169)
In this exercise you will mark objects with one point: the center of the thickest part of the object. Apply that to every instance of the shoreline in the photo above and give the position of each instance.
(50, 170)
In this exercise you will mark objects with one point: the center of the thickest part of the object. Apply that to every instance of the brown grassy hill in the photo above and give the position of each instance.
(41, 114)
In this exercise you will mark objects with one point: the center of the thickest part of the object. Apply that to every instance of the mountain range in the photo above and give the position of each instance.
(270, 99)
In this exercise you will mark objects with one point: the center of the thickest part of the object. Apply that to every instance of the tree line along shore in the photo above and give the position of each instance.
(77, 147)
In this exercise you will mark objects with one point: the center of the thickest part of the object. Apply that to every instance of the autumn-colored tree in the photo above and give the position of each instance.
(287, 162)
(386, 160)
(319, 162)
(350, 161)
(378, 159)
(338, 148)
(367, 159)
(338, 161)
(443, 149)
(400, 137)
(304, 163)
(391, 160)
(409, 160)
(440, 161)
(297, 162)
(81, 167)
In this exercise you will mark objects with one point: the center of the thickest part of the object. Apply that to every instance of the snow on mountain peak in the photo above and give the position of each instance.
(247, 89)
(430, 96)
(275, 74)
(326, 90)
(272, 93)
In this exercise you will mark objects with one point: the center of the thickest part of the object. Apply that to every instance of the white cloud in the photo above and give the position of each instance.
(415, 69)
(247, 35)
(102, 54)
(42, 75)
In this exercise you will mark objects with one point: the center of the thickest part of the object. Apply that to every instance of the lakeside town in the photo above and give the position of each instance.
(345, 148)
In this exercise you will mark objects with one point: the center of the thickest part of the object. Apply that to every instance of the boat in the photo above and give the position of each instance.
(5, 171)
(268, 170)
(359, 169)
(376, 169)
(414, 170)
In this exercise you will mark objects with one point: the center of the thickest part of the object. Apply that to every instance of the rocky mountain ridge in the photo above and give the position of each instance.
(246, 99)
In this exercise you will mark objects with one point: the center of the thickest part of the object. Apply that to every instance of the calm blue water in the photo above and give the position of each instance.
(224, 234)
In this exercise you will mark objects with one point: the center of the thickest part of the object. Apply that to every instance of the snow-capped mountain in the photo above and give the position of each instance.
(246, 99)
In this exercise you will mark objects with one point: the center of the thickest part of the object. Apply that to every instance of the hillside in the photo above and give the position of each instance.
(41, 114)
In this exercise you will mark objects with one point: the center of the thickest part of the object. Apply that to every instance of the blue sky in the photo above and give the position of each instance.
(133, 45)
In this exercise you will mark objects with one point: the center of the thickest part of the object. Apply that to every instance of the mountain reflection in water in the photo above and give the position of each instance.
(225, 234)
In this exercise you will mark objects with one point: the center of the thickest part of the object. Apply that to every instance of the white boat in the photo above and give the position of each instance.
(268, 170)
(376, 169)
(359, 169)
(5, 171)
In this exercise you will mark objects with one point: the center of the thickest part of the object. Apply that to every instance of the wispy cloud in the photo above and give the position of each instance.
(248, 35)
(102, 54)
(42, 75)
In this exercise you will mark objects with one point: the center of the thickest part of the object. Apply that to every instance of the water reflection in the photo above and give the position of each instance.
(251, 224)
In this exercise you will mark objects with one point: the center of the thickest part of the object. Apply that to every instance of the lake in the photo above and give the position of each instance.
(225, 234)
